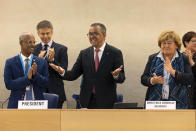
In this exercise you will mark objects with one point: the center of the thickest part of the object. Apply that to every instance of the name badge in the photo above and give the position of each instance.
(160, 105)
(30, 104)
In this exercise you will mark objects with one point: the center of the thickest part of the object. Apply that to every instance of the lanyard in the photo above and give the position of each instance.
(23, 63)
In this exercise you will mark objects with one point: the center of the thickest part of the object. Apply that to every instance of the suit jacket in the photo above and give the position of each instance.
(16, 81)
(194, 70)
(194, 67)
(102, 80)
(56, 84)
(192, 91)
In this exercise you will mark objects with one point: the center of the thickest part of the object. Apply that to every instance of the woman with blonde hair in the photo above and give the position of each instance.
(168, 73)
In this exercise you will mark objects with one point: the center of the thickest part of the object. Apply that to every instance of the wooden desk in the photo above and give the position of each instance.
(30, 120)
(127, 120)
(96, 120)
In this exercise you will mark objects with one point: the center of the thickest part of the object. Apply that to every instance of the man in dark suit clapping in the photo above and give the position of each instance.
(55, 53)
(102, 67)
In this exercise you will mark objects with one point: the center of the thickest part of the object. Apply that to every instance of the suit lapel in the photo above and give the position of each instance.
(19, 65)
(53, 44)
(39, 47)
(56, 53)
(92, 61)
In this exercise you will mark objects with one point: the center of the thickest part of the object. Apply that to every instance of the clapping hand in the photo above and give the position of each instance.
(57, 68)
(157, 79)
(190, 55)
(117, 71)
(42, 53)
(32, 71)
(169, 67)
(51, 53)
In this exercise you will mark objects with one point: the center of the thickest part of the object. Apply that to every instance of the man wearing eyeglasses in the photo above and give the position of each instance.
(25, 74)
(55, 53)
(102, 67)
(189, 42)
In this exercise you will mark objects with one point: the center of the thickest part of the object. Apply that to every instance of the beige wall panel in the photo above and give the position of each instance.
(132, 25)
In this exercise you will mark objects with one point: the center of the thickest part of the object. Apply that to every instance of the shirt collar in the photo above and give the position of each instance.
(24, 57)
(49, 44)
(160, 55)
(102, 47)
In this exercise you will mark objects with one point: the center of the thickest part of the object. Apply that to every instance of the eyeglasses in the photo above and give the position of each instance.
(92, 34)
(169, 42)
(30, 42)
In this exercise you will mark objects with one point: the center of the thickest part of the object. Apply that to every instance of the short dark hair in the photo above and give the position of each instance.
(103, 28)
(187, 37)
(44, 24)
(25, 36)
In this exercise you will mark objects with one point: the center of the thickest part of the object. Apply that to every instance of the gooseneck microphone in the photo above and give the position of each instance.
(4, 102)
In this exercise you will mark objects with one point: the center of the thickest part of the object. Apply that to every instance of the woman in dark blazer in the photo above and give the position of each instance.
(189, 42)
(168, 73)
(192, 90)
(193, 65)
(194, 70)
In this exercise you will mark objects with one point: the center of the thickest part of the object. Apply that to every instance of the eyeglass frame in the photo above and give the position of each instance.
(92, 34)
(30, 42)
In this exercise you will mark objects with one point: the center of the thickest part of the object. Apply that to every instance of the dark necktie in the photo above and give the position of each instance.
(45, 49)
(96, 65)
(29, 88)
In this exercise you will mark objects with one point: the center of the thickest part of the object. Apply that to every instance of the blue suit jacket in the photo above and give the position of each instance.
(16, 81)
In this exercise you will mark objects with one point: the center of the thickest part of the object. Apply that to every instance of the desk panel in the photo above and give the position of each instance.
(30, 120)
(97, 120)
(127, 120)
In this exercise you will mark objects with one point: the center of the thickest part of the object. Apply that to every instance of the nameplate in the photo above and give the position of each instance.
(160, 105)
(30, 104)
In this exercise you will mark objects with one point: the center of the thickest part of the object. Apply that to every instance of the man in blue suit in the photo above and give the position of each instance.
(25, 75)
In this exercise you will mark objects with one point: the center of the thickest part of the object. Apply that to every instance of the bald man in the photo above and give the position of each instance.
(24, 74)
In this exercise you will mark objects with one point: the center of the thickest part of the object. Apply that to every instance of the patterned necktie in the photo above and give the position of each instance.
(26, 66)
(29, 88)
(96, 65)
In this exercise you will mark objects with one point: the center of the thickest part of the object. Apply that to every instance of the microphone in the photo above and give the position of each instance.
(4, 102)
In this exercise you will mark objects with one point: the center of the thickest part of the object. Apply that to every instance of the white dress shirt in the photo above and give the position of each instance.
(49, 44)
(100, 53)
(166, 75)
